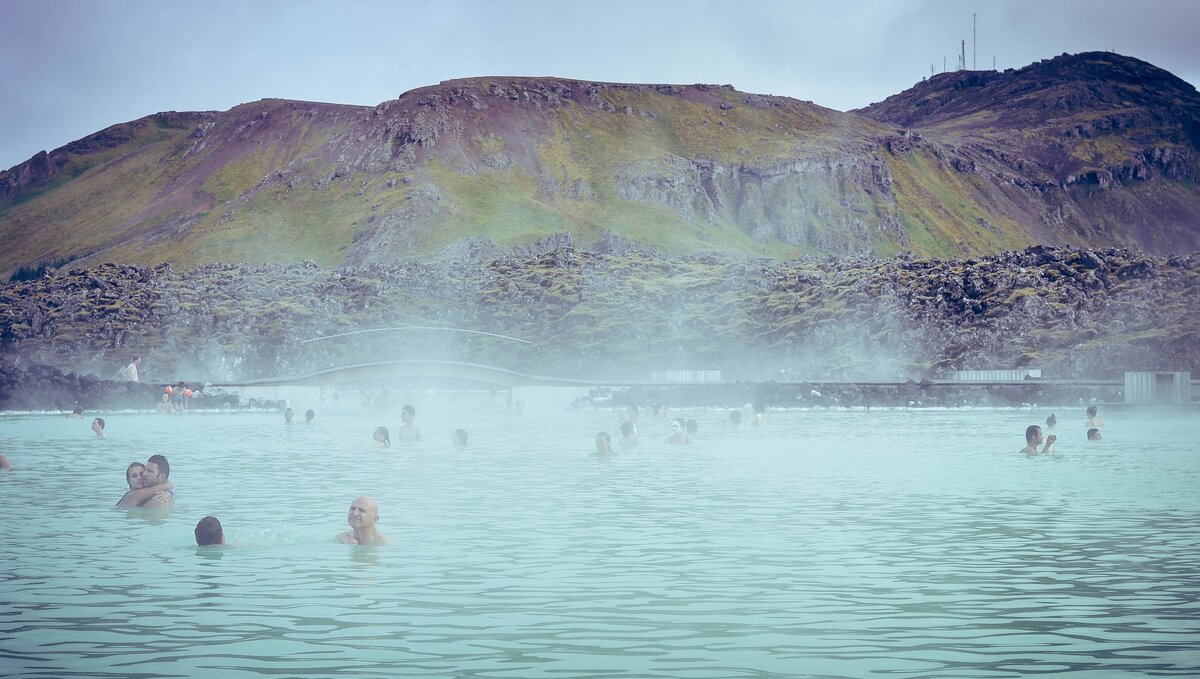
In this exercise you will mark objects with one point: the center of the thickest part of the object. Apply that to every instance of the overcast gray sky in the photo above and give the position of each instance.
(72, 67)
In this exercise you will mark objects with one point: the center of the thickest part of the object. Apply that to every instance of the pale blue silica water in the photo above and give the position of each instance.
(894, 543)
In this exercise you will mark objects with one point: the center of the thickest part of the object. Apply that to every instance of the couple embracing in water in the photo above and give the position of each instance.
(149, 485)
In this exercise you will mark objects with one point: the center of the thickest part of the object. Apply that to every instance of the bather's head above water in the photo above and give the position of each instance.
(362, 517)
(135, 475)
(363, 513)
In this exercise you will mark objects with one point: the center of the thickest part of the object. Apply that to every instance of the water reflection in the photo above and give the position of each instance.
(367, 555)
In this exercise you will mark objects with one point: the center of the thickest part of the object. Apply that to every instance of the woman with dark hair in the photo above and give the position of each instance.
(382, 438)
(679, 433)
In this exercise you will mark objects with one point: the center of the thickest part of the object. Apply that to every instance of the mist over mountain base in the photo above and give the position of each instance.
(1072, 313)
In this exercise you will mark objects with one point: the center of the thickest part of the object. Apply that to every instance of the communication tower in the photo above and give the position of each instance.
(962, 56)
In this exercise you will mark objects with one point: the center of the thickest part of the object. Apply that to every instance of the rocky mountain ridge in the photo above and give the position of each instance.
(959, 165)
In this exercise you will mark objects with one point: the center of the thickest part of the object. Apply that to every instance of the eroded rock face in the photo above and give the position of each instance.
(621, 313)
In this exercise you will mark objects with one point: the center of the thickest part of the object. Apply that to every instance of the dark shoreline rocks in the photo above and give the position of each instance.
(818, 395)
(46, 388)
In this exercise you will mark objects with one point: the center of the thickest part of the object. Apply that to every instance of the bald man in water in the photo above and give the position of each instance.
(363, 514)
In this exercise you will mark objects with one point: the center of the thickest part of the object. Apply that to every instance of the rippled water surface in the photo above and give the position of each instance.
(826, 544)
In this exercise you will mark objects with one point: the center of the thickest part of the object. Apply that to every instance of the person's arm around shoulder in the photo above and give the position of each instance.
(137, 496)
(160, 500)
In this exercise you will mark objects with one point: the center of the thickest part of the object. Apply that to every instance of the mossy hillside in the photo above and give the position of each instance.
(93, 152)
(941, 210)
(686, 169)
(84, 217)
(157, 183)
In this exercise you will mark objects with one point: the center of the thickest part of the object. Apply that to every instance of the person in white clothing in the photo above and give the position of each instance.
(129, 372)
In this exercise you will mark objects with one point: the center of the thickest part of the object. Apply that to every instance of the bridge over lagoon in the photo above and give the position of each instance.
(464, 376)
(1142, 388)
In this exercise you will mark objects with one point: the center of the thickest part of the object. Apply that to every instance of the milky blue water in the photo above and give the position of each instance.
(826, 544)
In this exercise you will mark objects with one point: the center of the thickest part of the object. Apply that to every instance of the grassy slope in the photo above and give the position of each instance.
(158, 203)
(590, 146)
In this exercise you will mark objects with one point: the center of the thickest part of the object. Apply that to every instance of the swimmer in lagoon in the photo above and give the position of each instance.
(410, 430)
(76, 414)
(5, 465)
(735, 419)
(362, 517)
(309, 415)
(288, 415)
(209, 532)
(679, 435)
(1033, 437)
(632, 415)
(603, 445)
(98, 427)
(760, 414)
(1093, 434)
(133, 475)
(381, 437)
(148, 484)
(460, 438)
(1093, 422)
(629, 436)
(1051, 421)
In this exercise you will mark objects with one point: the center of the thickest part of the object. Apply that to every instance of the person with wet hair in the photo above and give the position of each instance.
(410, 430)
(1034, 438)
(76, 414)
(133, 475)
(603, 445)
(209, 532)
(735, 419)
(629, 436)
(381, 437)
(148, 484)
(679, 435)
(362, 517)
(309, 415)
(1093, 422)
(632, 415)
(98, 427)
(288, 415)
(1051, 421)
(1093, 434)
(760, 414)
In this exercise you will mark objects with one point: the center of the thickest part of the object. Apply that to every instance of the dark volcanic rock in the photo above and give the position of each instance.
(1072, 313)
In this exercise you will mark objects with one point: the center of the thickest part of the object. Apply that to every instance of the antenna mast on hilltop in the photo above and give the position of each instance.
(962, 56)
(974, 45)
